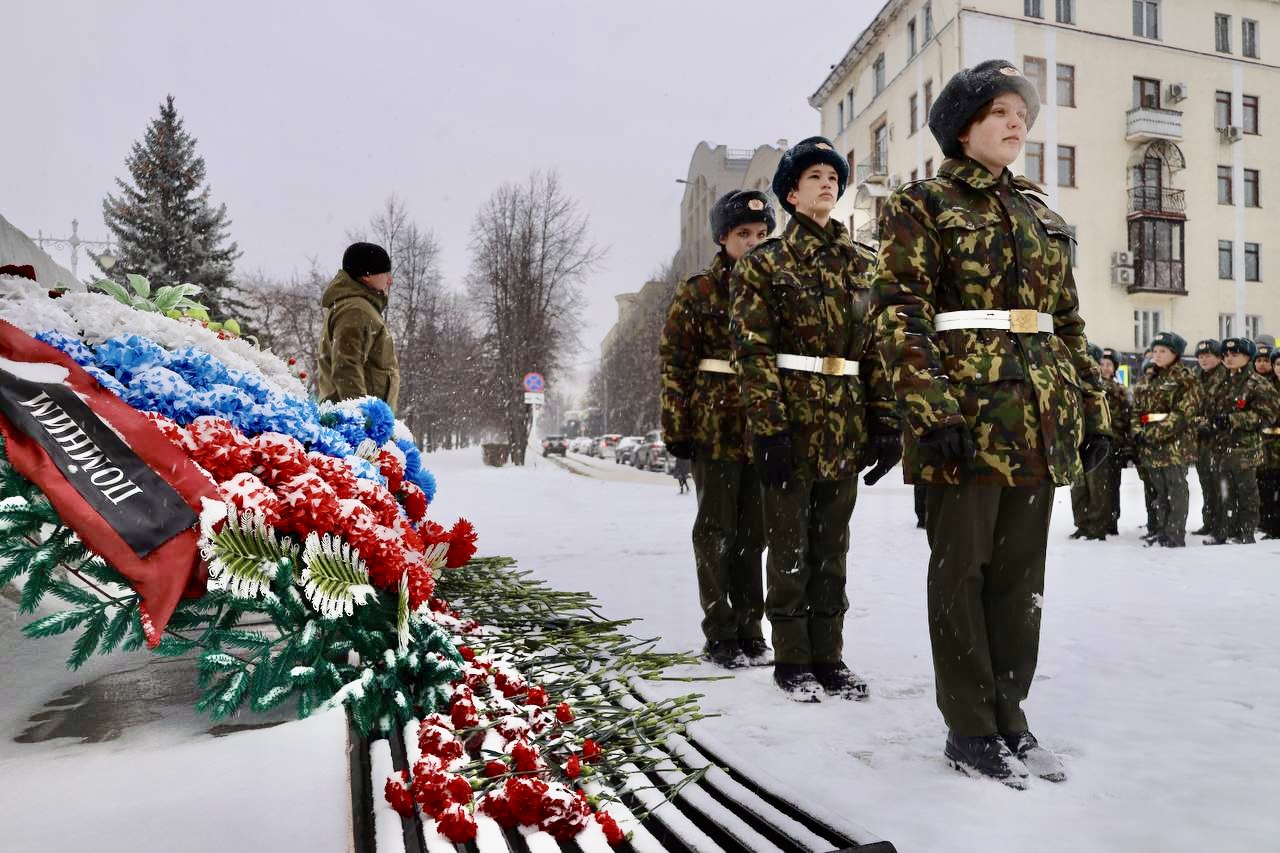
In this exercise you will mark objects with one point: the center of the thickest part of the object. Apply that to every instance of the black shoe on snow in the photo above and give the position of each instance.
(1038, 760)
(1113, 531)
(1203, 531)
(987, 755)
(1079, 534)
(840, 682)
(725, 653)
(796, 681)
(756, 651)
(1168, 540)
(1243, 540)
(1150, 538)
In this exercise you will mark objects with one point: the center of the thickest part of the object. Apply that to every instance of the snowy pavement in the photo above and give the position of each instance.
(1159, 676)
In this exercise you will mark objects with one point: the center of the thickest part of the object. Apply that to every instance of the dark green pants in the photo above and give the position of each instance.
(1269, 502)
(1238, 511)
(1170, 499)
(728, 538)
(1209, 488)
(986, 585)
(1091, 501)
(807, 527)
(1115, 464)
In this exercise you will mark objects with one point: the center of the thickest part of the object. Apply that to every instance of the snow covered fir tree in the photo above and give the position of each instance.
(163, 220)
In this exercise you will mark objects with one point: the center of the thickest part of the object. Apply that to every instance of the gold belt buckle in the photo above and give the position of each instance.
(833, 365)
(1024, 321)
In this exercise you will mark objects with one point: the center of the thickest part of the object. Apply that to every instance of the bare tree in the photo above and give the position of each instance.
(285, 315)
(530, 253)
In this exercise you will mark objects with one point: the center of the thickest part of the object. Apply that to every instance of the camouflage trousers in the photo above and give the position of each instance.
(1091, 506)
(807, 528)
(1209, 489)
(1269, 502)
(728, 539)
(986, 583)
(1237, 487)
(1115, 463)
(1170, 498)
(1149, 497)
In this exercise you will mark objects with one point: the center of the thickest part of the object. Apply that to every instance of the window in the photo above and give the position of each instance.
(928, 168)
(1251, 262)
(1250, 111)
(1146, 325)
(1226, 261)
(880, 146)
(911, 37)
(1146, 93)
(840, 115)
(913, 105)
(928, 20)
(1146, 18)
(1066, 165)
(1222, 33)
(1066, 11)
(1035, 161)
(915, 174)
(1251, 188)
(1222, 110)
(1249, 38)
(877, 75)
(1252, 326)
(1157, 254)
(1034, 68)
(1224, 185)
(928, 99)
(1066, 85)
(849, 158)
(1227, 322)
(1032, 9)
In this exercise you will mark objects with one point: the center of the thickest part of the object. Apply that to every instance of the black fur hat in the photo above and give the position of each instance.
(1173, 341)
(361, 259)
(1264, 349)
(1241, 346)
(802, 155)
(738, 207)
(1110, 355)
(1095, 352)
(1209, 345)
(968, 91)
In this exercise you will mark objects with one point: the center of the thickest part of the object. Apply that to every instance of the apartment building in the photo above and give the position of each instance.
(1155, 141)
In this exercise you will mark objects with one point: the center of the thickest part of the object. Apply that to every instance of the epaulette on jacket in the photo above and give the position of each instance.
(772, 241)
(1025, 183)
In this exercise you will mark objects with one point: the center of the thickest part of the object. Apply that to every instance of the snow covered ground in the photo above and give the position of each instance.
(1159, 676)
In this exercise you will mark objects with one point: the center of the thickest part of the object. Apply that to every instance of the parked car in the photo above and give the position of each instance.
(606, 445)
(651, 453)
(580, 445)
(555, 444)
(622, 453)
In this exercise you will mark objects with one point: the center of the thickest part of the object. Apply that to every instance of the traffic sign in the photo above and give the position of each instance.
(536, 399)
(533, 382)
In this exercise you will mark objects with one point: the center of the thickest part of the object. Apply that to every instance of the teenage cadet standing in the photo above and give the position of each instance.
(1140, 390)
(703, 419)
(1269, 472)
(1208, 372)
(981, 331)
(1120, 405)
(1242, 404)
(1165, 417)
(1091, 494)
(819, 407)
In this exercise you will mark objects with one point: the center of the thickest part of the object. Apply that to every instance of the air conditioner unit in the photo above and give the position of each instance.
(1122, 275)
(1232, 134)
(1122, 259)
(1177, 92)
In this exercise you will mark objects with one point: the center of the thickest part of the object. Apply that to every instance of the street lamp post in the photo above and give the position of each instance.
(105, 259)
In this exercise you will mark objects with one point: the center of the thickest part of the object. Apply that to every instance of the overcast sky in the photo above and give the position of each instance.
(310, 114)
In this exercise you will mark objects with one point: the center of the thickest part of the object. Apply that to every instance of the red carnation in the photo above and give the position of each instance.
(397, 794)
(430, 792)
(218, 447)
(414, 501)
(494, 768)
(509, 683)
(1241, 402)
(564, 713)
(590, 750)
(421, 585)
(612, 832)
(392, 468)
(464, 715)
(431, 739)
(537, 696)
(462, 544)
(511, 727)
(467, 653)
(457, 824)
(336, 472)
(306, 504)
(524, 796)
(573, 767)
(563, 814)
(249, 495)
(496, 805)
(278, 457)
(526, 757)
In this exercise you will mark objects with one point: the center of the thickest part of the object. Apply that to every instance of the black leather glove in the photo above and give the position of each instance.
(772, 455)
(952, 443)
(1139, 439)
(1220, 423)
(884, 450)
(680, 449)
(1094, 450)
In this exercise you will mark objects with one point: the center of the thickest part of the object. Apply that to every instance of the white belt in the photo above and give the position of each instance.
(1271, 430)
(1154, 417)
(716, 365)
(827, 365)
(1023, 321)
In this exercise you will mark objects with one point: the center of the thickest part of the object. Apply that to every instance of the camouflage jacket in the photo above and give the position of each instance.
(1118, 406)
(697, 405)
(1165, 413)
(1271, 440)
(1206, 380)
(968, 240)
(809, 294)
(1249, 402)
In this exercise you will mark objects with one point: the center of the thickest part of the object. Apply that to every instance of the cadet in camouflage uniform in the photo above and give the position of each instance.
(703, 419)
(1120, 406)
(980, 329)
(1165, 416)
(1242, 404)
(1092, 504)
(1269, 472)
(1208, 372)
(1148, 373)
(819, 408)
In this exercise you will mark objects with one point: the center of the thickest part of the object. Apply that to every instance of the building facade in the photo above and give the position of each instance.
(1152, 142)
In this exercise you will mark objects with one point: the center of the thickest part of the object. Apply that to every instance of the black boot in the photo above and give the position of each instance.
(986, 755)
(840, 681)
(797, 682)
(725, 653)
(1079, 534)
(1204, 530)
(1243, 540)
(1172, 540)
(1038, 760)
(756, 651)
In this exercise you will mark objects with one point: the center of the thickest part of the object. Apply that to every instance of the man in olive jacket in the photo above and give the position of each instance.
(357, 353)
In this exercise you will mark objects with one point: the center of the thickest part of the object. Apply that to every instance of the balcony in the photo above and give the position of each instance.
(1144, 124)
(868, 234)
(1157, 201)
(1166, 277)
(873, 170)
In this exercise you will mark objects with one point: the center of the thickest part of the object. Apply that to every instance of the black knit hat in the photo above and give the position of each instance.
(1209, 345)
(361, 259)
(738, 207)
(1239, 346)
(1110, 355)
(802, 155)
(1173, 341)
(1095, 352)
(968, 91)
